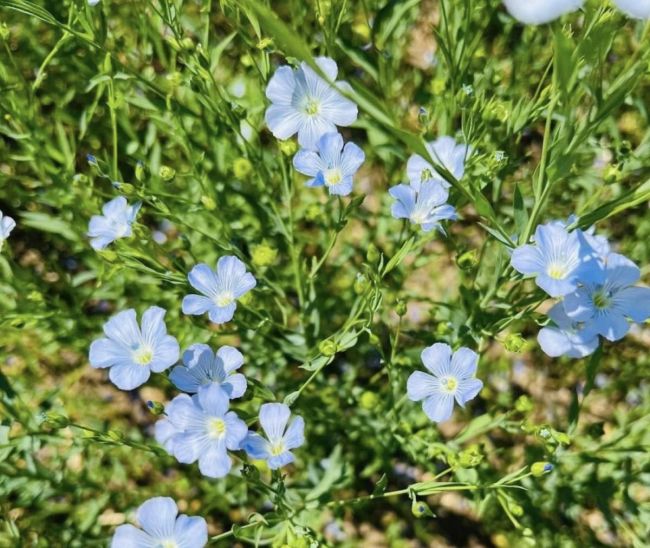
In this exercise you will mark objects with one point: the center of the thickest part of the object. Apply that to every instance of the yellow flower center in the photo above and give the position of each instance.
(277, 448)
(143, 355)
(224, 299)
(216, 428)
(556, 271)
(168, 544)
(601, 300)
(312, 107)
(333, 176)
(449, 384)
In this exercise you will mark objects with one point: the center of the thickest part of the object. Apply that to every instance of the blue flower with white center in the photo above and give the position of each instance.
(424, 204)
(200, 428)
(605, 306)
(116, 222)
(133, 352)
(452, 377)
(536, 12)
(7, 224)
(447, 153)
(276, 448)
(162, 527)
(220, 288)
(202, 367)
(304, 103)
(333, 165)
(566, 338)
(559, 259)
(639, 9)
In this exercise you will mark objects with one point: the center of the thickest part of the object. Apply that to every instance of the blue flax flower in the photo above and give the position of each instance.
(559, 259)
(566, 338)
(162, 527)
(7, 224)
(202, 368)
(116, 222)
(537, 12)
(447, 153)
(276, 448)
(133, 352)
(333, 165)
(424, 204)
(452, 377)
(303, 103)
(605, 306)
(220, 288)
(200, 427)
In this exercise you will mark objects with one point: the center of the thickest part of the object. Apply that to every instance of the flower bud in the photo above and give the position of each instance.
(468, 261)
(263, 254)
(265, 43)
(166, 173)
(361, 284)
(540, 468)
(372, 254)
(514, 343)
(54, 420)
(242, 167)
(400, 308)
(156, 407)
(208, 203)
(139, 171)
(516, 509)
(288, 147)
(368, 400)
(420, 508)
(327, 347)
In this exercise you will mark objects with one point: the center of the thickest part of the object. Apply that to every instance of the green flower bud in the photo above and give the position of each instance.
(514, 343)
(264, 43)
(611, 174)
(540, 468)
(263, 254)
(166, 173)
(468, 261)
(420, 509)
(54, 420)
(516, 509)
(400, 308)
(327, 347)
(242, 167)
(156, 407)
(208, 203)
(524, 404)
(470, 457)
(361, 284)
(368, 400)
(139, 171)
(288, 147)
(313, 212)
(372, 254)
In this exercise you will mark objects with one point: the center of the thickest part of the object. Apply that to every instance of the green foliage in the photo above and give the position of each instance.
(168, 96)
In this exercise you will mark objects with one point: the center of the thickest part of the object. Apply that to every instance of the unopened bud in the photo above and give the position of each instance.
(288, 147)
(368, 400)
(208, 203)
(400, 308)
(242, 167)
(372, 254)
(156, 407)
(55, 420)
(327, 347)
(167, 173)
(540, 468)
(263, 255)
(514, 343)
(420, 509)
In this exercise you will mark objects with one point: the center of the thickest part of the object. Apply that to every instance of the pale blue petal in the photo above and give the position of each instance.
(555, 287)
(231, 357)
(128, 536)
(281, 86)
(610, 324)
(527, 260)
(157, 516)
(116, 207)
(164, 431)
(463, 363)
(327, 65)
(106, 352)
(405, 195)
(311, 129)
(420, 386)
(128, 376)
(204, 279)
(294, 437)
(184, 413)
(188, 447)
(256, 446)
(222, 314)
(439, 407)
(308, 163)
(352, 159)
(579, 305)
(235, 385)
(437, 359)
(184, 380)
(244, 284)
(273, 418)
(196, 305)
(343, 188)
(634, 302)
(278, 461)
(124, 328)
(236, 431)
(190, 532)
(283, 121)
(330, 146)
(215, 463)
(621, 272)
(165, 354)
(229, 270)
(102, 242)
(214, 401)
(553, 341)
(153, 325)
(467, 390)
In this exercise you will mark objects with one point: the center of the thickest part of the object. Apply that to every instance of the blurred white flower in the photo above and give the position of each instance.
(635, 8)
(536, 12)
